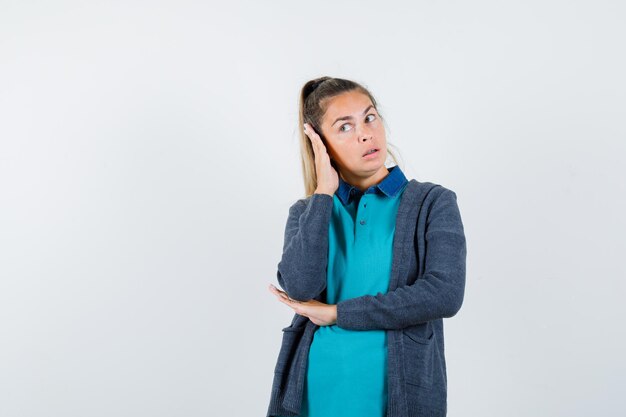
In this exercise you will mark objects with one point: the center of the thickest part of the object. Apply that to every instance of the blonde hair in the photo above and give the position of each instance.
(313, 100)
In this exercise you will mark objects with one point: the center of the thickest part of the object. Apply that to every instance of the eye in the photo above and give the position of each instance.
(342, 129)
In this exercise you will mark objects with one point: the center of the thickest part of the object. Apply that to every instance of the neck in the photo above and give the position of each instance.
(364, 182)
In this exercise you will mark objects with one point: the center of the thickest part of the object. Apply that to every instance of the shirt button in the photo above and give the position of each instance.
(362, 221)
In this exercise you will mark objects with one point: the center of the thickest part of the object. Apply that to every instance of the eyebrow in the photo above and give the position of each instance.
(350, 117)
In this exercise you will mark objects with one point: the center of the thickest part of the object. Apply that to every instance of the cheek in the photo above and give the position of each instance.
(380, 130)
(345, 153)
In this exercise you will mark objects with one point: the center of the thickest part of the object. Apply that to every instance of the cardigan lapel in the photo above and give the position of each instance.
(405, 227)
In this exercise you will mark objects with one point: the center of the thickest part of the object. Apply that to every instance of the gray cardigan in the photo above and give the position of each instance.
(427, 284)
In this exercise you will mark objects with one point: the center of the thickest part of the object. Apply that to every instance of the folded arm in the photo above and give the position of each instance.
(437, 294)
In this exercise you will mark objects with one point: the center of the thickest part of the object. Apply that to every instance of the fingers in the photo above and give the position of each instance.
(299, 307)
(322, 158)
(316, 140)
(282, 296)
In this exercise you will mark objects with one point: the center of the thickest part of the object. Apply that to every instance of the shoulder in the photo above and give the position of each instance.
(430, 191)
(298, 206)
(433, 200)
(317, 201)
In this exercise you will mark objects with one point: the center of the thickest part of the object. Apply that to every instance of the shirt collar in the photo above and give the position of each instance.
(389, 186)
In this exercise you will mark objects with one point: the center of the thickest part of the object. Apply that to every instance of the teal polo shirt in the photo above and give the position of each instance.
(347, 369)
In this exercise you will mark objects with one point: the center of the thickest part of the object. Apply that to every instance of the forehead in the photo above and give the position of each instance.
(351, 103)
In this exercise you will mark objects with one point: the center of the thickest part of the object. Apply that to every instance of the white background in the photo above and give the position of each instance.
(148, 158)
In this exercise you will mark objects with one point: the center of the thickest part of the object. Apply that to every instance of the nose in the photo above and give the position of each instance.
(364, 134)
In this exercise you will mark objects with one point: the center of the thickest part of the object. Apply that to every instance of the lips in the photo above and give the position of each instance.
(368, 151)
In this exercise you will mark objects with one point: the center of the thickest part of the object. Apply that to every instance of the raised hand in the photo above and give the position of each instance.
(327, 177)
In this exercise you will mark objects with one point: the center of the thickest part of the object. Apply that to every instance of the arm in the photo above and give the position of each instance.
(302, 269)
(438, 294)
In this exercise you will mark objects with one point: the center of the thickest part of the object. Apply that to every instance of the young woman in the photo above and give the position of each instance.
(371, 264)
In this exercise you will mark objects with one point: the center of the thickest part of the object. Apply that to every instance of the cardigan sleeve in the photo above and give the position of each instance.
(437, 294)
(302, 268)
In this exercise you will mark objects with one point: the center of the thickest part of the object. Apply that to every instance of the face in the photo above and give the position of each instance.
(351, 127)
